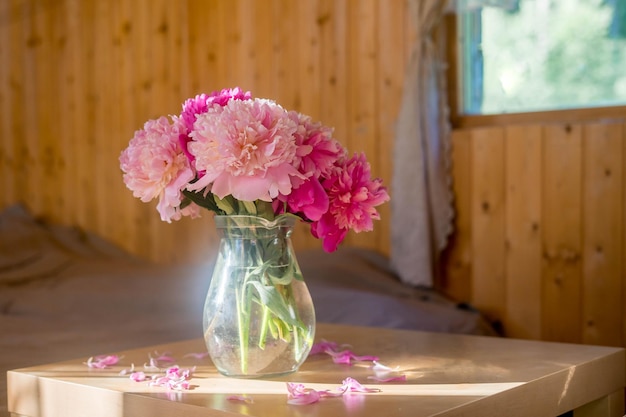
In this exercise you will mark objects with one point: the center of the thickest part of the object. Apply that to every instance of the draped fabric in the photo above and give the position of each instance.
(421, 203)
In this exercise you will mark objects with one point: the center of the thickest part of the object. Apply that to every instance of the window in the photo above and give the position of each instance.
(535, 55)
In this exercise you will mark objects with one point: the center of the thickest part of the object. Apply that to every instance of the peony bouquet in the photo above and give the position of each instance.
(234, 154)
(252, 163)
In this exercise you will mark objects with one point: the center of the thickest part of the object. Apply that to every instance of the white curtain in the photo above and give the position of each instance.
(421, 193)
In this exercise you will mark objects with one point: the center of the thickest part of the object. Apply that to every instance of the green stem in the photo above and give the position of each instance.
(243, 321)
(264, 327)
(296, 342)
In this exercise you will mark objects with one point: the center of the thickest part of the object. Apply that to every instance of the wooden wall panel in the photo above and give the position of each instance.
(7, 152)
(563, 276)
(562, 219)
(487, 216)
(389, 86)
(362, 110)
(103, 150)
(43, 31)
(623, 231)
(67, 108)
(456, 275)
(602, 243)
(30, 166)
(78, 78)
(523, 230)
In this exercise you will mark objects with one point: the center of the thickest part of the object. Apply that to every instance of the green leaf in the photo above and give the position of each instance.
(280, 329)
(271, 298)
(224, 204)
(247, 207)
(203, 201)
(282, 279)
(264, 209)
(284, 275)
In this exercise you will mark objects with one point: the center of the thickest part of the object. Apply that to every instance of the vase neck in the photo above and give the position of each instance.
(241, 226)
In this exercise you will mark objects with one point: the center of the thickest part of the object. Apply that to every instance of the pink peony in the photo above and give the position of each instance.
(192, 107)
(309, 198)
(327, 230)
(224, 96)
(246, 149)
(154, 166)
(353, 197)
(317, 151)
(316, 154)
(199, 104)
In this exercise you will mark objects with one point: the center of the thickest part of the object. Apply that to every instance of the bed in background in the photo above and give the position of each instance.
(65, 294)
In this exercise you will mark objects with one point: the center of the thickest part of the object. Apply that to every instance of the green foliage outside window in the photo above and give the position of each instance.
(543, 55)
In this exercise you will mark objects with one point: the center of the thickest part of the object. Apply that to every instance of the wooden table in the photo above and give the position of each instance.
(447, 375)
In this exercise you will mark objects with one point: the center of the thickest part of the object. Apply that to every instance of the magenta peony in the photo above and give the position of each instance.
(353, 196)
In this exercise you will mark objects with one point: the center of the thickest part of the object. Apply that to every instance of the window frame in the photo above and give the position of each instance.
(460, 120)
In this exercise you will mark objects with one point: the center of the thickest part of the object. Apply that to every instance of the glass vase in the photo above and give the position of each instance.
(259, 318)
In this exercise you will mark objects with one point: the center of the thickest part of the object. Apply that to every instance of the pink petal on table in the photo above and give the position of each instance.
(323, 347)
(138, 376)
(181, 385)
(352, 385)
(175, 378)
(241, 398)
(347, 356)
(327, 393)
(299, 395)
(153, 365)
(306, 398)
(102, 361)
(128, 370)
(197, 355)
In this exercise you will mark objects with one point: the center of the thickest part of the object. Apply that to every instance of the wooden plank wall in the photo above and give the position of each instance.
(541, 231)
(540, 242)
(78, 77)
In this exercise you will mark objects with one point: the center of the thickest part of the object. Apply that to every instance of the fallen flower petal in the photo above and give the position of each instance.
(181, 385)
(128, 370)
(347, 356)
(102, 361)
(198, 355)
(323, 347)
(138, 376)
(299, 395)
(175, 378)
(327, 393)
(177, 372)
(152, 366)
(304, 399)
(242, 398)
(352, 385)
